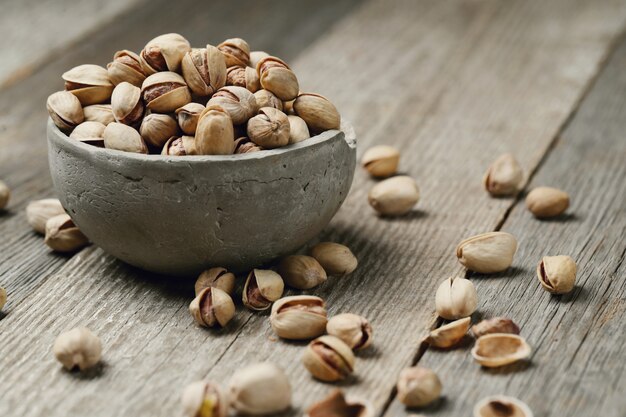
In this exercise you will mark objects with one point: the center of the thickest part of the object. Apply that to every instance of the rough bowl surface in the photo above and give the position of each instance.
(180, 215)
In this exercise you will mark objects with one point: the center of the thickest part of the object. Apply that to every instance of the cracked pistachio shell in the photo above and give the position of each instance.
(89, 132)
(126, 67)
(204, 399)
(394, 196)
(164, 53)
(545, 202)
(487, 253)
(188, 117)
(276, 76)
(179, 146)
(102, 113)
(78, 348)
(212, 307)
(236, 52)
(504, 177)
(260, 389)
(62, 235)
(261, 289)
(89, 83)
(298, 130)
(337, 405)
(38, 212)
(317, 111)
(265, 98)
(269, 129)
(216, 277)
(157, 128)
(245, 145)
(204, 70)
(336, 259)
(354, 330)
(238, 102)
(299, 317)
(164, 92)
(495, 325)
(3, 297)
(328, 359)
(381, 161)
(214, 133)
(301, 272)
(418, 386)
(456, 298)
(501, 406)
(5, 195)
(449, 334)
(557, 274)
(65, 110)
(126, 104)
(123, 138)
(245, 77)
(499, 349)
(256, 56)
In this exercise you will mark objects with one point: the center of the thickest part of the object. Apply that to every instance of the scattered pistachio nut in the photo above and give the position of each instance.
(236, 52)
(261, 289)
(501, 406)
(260, 389)
(204, 70)
(328, 359)
(354, 330)
(301, 272)
(487, 253)
(456, 298)
(5, 194)
(126, 104)
(216, 277)
(269, 129)
(265, 98)
(299, 317)
(381, 161)
(298, 130)
(276, 76)
(204, 399)
(62, 235)
(164, 92)
(394, 196)
(504, 177)
(3, 297)
(123, 138)
(164, 53)
(188, 117)
(546, 202)
(449, 334)
(65, 110)
(238, 102)
(102, 113)
(336, 405)
(336, 259)
(499, 349)
(89, 132)
(212, 307)
(157, 128)
(78, 348)
(317, 111)
(557, 274)
(418, 386)
(126, 67)
(214, 134)
(495, 325)
(89, 83)
(38, 212)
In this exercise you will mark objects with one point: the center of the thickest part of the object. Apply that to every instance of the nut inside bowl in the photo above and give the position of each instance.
(179, 215)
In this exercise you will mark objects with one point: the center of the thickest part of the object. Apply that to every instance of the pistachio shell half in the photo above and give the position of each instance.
(501, 406)
(499, 349)
(337, 405)
(449, 334)
(495, 325)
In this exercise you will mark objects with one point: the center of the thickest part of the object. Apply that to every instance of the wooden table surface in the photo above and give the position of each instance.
(452, 84)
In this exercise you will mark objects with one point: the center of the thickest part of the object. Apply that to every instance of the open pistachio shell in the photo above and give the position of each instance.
(126, 66)
(499, 349)
(164, 92)
(262, 287)
(501, 406)
(299, 317)
(65, 110)
(212, 307)
(238, 102)
(216, 277)
(204, 398)
(495, 325)
(236, 51)
(487, 253)
(557, 274)
(204, 70)
(450, 334)
(329, 359)
(163, 53)
(89, 83)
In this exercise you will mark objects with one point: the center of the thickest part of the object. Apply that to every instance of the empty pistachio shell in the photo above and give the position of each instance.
(317, 111)
(214, 133)
(501, 406)
(456, 298)
(499, 349)
(337, 405)
(5, 195)
(353, 329)
(236, 52)
(3, 297)
(89, 83)
(336, 259)
(157, 128)
(394, 196)
(126, 104)
(102, 113)
(557, 274)
(269, 129)
(329, 359)
(545, 202)
(123, 138)
(301, 272)
(216, 277)
(276, 76)
(188, 117)
(256, 56)
(164, 53)
(298, 130)
(78, 348)
(126, 67)
(260, 389)
(495, 325)
(262, 287)
(65, 110)
(238, 102)
(504, 177)
(212, 307)
(204, 399)
(265, 98)
(381, 161)
(62, 235)
(204, 70)
(89, 132)
(418, 386)
(39, 211)
(299, 317)
(164, 92)
(449, 334)
(487, 253)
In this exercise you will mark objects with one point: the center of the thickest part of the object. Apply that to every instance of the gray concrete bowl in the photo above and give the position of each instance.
(180, 215)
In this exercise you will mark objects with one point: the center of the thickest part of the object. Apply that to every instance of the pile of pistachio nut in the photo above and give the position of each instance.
(177, 100)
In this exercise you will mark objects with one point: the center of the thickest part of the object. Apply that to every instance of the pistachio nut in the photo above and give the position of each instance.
(353, 329)
(418, 386)
(89, 132)
(557, 274)
(256, 56)
(38, 212)
(277, 77)
(245, 77)
(212, 307)
(157, 128)
(499, 349)
(487, 253)
(126, 104)
(265, 98)
(456, 298)
(89, 83)
(5, 195)
(298, 317)
(288, 106)
(545, 202)
(394, 196)
(179, 146)
(126, 67)
(164, 53)
(236, 52)
(245, 145)
(298, 130)
(214, 133)
(65, 110)
(336, 405)
(123, 138)
(78, 348)
(504, 177)
(449, 334)
(204, 399)
(3, 297)
(238, 102)
(188, 117)
(317, 111)
(260, 389)
(501, 406)
(102, 113)
(328, 359)
(216, 277)
(204, 70)
(269, 129)
(164, 92)
(62, 235)
(381, 161)
(495, 325)
(301, 272)
(336, 259)
(261, 289)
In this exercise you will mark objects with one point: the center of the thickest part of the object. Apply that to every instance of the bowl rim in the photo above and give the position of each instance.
(56, 134)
